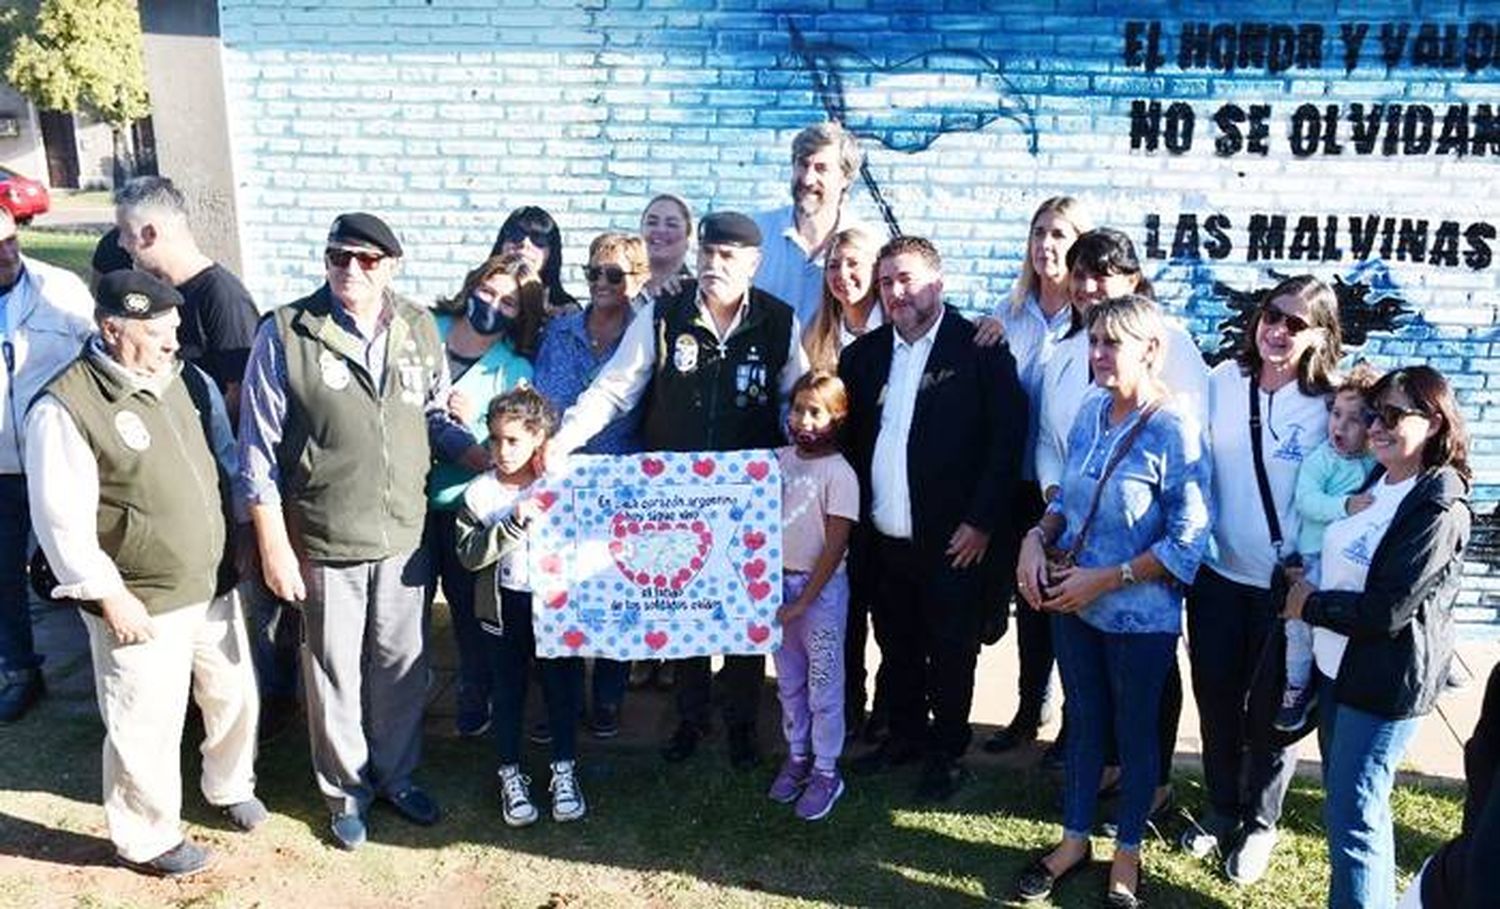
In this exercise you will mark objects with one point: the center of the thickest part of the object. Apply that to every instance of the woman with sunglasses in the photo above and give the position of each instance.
(532, 233)
(666, 225)
(490, 330)
(1382, 621)
(574, 349)
(1267, 410)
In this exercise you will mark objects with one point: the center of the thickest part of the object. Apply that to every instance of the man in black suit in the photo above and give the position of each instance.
(936, 431)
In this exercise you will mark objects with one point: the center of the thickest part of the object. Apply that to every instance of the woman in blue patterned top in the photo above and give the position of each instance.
(1118, 613)
(576, 345)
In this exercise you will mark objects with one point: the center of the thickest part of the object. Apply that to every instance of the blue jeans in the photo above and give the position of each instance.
(1112, 685)
(1360, 754)
(441, 540)
(17, 648)
(510, 655)
(275, 630)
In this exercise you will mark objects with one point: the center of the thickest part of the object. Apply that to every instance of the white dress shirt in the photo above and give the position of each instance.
(627, 375)
(890, 492)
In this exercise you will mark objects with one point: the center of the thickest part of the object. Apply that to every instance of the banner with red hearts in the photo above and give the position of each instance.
(663, 554)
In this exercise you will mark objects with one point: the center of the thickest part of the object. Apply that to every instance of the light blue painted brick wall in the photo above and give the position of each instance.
(444, 114)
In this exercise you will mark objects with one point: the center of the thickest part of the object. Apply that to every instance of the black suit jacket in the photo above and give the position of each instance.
(968, 433)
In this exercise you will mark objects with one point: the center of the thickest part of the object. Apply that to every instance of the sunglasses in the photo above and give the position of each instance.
(612, 274)
(340, 258)
(1390, 414)
(538, 238)
(1271, 316)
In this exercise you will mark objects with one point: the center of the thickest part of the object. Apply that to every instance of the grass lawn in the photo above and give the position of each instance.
(73, 251)
(691, 835)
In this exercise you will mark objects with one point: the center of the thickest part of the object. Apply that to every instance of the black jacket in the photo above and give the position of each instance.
(1400, 627)
(968, 432)
(1464, 873)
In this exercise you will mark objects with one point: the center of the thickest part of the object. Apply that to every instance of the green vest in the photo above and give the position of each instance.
(354, 453)
(159, 510)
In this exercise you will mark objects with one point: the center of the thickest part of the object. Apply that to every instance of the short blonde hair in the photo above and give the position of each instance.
(632, 247)
(1132, 316)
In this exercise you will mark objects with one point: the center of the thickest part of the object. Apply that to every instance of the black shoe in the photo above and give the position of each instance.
(683, 743)
(1054, 758)
(416, 806)
(889, 753)
(181, 860)
(19, 689)
(1036, 882)
(1009, 738)
(941, 777)
(742, 751)
(605, 723)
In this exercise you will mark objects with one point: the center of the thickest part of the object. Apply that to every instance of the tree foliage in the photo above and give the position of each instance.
(81, 54)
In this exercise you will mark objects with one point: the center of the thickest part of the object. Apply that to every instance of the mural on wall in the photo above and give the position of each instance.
(1234, 149)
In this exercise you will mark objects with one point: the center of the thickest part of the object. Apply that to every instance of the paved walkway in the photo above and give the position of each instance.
(1436, 752)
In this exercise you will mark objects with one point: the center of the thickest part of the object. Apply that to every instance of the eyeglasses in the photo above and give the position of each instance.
(1390, 414)
(1270, 316)
(612, 274)
(538, 238)
(340, 258)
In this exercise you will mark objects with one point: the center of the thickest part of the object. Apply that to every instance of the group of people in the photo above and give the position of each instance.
(1071, 452)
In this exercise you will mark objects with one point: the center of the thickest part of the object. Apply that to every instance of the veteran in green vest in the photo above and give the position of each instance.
(130, 452)
(342, 394)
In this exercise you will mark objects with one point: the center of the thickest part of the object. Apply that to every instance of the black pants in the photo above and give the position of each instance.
(862, 583)
(1033, 627)
(741, 680)
(1245, 771)
(927, 617)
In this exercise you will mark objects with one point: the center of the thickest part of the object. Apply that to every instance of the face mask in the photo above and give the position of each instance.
(487, 319)
(817, 438)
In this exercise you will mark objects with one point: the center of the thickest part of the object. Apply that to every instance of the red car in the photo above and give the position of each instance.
(23, 197)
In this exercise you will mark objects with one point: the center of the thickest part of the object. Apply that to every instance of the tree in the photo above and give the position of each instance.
(83, 55)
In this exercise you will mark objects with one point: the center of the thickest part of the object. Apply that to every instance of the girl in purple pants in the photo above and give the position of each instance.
(820, 503)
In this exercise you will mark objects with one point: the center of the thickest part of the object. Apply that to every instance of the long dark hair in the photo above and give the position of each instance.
(533, 220)
(1433, 396)
(1319, 363)
(529, 294)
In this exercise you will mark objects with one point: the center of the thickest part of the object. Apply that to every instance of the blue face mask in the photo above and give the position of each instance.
(487, 319)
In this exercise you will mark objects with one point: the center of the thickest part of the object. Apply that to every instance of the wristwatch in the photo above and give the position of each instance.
(1127, 574)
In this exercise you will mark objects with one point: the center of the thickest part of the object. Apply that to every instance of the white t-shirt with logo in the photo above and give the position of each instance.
(1292, 424)
(1348, 545)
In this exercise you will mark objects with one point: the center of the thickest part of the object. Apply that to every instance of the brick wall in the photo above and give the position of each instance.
(444, 114)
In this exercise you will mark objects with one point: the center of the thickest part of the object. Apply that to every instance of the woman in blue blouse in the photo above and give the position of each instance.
(574, 349)
(1118, 613)
(489, 331)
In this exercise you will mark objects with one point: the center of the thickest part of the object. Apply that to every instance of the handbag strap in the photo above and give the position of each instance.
(1114, 461)
(1267, 502)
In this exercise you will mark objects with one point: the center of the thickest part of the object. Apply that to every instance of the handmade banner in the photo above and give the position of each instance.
(658, 555)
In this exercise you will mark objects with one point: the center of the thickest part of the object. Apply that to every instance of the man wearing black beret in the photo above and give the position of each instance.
(130, 453)
(334, 442)
(732, 355)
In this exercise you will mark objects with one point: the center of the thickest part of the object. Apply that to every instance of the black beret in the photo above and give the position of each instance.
(728, 228)
(135, 295)
(108, 256)
(361, 231)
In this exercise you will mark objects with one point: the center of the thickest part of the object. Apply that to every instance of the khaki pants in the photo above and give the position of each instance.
(143, 690)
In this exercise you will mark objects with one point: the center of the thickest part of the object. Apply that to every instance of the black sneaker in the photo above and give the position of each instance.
(941, 777)
(742, 747)
(541, 733)
(889, 753)
(605, 723)
(19, 690)
(416, 806)
(181, 860)
(1010, 738)
(683, 743)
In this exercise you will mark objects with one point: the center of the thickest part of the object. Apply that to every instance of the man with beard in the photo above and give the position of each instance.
(825, 159)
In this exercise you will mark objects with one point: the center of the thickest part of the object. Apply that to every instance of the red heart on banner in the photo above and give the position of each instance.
(758, 633)
(757, 470)
(652, 467)
(755, 569)
(557, 599)
(754, 540)
(545, 499)
(573, 638)
(660, 553)
(759, 590)
(656, 640)
(551, 563)
(703, 467)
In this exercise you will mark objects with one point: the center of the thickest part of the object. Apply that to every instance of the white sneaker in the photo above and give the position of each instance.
(515, 798)
(1247, 864)
(567, 798)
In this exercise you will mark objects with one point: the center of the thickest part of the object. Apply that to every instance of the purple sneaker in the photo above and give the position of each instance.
(823, 789)
(789, 782)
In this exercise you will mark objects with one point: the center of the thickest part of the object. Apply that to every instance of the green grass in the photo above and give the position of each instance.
(696, 834)
(73, 251)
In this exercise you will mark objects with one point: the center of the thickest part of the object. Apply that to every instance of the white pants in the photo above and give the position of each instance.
(142, 691)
